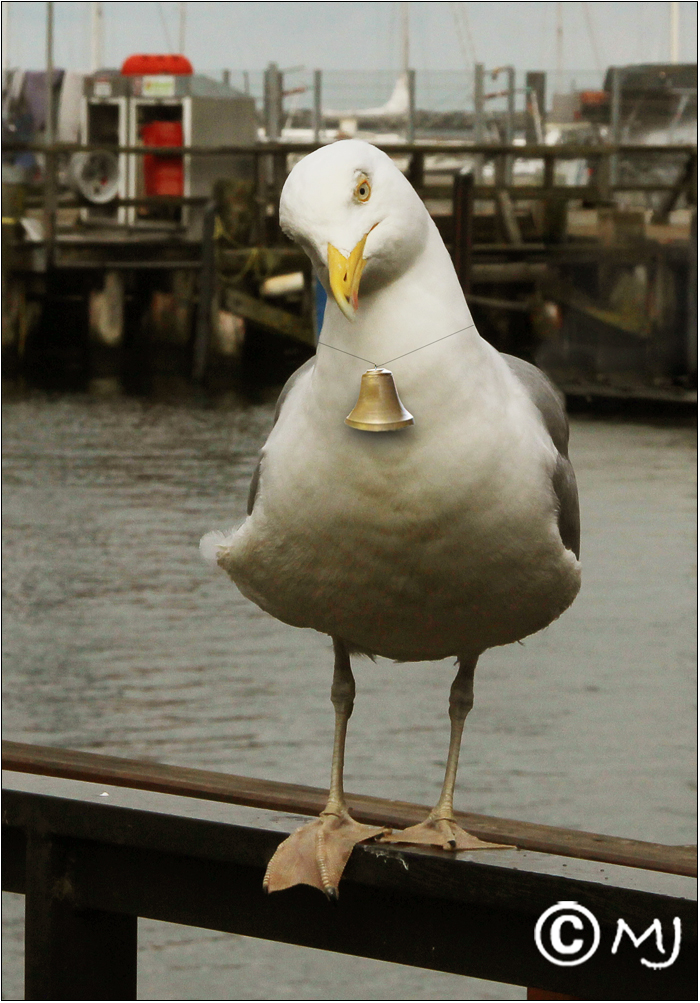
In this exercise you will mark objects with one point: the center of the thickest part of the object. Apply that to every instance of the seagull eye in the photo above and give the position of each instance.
(362, 190)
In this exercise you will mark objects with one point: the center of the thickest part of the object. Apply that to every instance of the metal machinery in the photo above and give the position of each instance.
(159, 101)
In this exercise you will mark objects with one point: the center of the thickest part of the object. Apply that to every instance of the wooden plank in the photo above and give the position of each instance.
(520, 306)
(529, 152)
(426, 189)
(509, 271)
(196, 862)
(529, 193)
(311, 800)
(629, 391)
(639, 324)
(685, 182)
(280, 321)
(273, 257)
(506, 212)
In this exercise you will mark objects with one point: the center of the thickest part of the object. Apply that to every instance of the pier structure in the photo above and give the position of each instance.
(603, 297)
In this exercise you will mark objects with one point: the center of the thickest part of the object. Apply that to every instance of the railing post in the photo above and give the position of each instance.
(72, 953)
(615, 120)
(602, 176)
(479, 118)
(555, 203)
(261, 197)
(510, 123)
(318, 111)
(692, 325)
(535, 90)
(411, 113)
(463, 216)
(279, 173)
(416, 171)
(273, 102)
(500, 161)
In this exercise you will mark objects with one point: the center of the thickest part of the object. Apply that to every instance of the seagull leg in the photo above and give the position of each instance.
(316, 854)
(440, 827)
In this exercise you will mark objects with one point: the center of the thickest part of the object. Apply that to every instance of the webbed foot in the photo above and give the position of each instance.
(442, 832)
(316, 854)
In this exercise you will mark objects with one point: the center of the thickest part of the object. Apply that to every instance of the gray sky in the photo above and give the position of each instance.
(359, 36)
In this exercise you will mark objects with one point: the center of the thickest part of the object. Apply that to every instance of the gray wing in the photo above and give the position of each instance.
(255, 481)
(550, 403)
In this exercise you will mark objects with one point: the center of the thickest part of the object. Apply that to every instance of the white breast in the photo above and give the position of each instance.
(437, 540)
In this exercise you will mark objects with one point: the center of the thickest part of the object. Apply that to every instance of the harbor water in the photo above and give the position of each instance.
(119, 640)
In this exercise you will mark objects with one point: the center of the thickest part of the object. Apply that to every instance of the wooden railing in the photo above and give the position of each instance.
(94, 842)
(601, 186)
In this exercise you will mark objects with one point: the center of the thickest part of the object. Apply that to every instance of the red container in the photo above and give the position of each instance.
(142, 65)
(163, 175)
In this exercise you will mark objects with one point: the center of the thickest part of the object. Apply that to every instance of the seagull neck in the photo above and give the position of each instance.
(422, 308)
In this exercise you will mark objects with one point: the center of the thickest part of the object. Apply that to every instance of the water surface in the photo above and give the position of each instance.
(118, 640)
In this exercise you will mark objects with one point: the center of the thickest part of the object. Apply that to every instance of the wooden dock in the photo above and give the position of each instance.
(528, 247)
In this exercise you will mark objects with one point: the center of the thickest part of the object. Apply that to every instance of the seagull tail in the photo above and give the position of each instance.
(212, 544)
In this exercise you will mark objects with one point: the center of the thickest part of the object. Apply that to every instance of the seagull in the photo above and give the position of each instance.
(455, 534)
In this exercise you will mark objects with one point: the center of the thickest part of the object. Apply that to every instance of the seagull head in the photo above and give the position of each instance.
(356, 216)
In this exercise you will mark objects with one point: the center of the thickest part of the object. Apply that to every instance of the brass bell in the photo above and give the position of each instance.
(378, 408)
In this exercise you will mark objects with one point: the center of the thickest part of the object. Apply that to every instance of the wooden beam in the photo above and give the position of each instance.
(529, 152)
(506, 212)
(72, 954)
(509, 271)
(109, 850)
(311, 801)
(280, 321)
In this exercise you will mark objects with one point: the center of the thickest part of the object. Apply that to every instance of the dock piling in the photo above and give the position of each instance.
(207, 284)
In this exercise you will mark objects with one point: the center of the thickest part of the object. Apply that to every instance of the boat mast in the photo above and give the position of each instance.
(405, 38)
(96, 48)
(560, 49)
(183, 27)
(6, 37)
(675, 34)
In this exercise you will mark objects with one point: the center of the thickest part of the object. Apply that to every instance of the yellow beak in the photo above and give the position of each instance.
(345, 274)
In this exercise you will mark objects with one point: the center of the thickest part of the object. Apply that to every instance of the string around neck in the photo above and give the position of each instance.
(396, 357)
